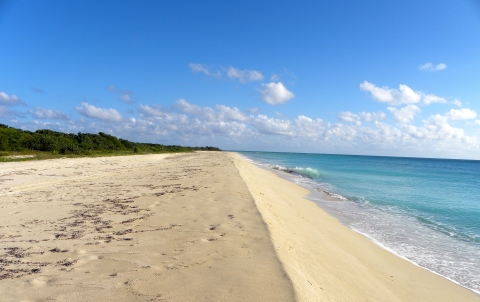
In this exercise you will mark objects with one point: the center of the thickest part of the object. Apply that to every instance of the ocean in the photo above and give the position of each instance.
(424, 210)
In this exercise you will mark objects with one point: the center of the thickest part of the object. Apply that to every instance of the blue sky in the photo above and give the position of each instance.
(353, 77)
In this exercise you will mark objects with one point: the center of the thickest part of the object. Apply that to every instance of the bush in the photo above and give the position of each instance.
(13, 139)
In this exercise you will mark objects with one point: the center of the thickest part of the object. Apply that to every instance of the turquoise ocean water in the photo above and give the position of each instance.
(424, 210)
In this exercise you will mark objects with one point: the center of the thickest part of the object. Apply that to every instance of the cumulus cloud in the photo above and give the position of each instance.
(356, 118)
(436, 127)
(231, 114)
(406, 114)
(461, 114)
(430, 99)
(205, 112)
(372, 116)
(150, 110)
(104, 114)
(275, 93)
(402, 96)
(123, 95)
(191, 124)
(9, 100)
(457, 103)
(43, 113)
(219, 113)
(205, 70)
(431, 67)
(349, 117)
(244, 76)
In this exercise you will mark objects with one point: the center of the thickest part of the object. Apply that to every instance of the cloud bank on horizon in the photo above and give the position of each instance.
(188, 123)
(296, 78)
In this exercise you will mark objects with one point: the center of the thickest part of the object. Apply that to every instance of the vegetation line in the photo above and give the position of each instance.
(17, 144)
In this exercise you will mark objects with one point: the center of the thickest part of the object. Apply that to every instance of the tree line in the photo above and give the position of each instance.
(14, 139)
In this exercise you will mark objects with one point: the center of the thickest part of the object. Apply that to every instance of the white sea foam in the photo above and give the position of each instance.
(306, 172)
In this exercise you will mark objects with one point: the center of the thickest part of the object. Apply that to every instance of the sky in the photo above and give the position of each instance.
(389, 78)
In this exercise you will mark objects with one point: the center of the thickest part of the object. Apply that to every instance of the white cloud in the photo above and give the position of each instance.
(43, 113)
(244, 76)
(266, 125)
(9, 100)
(205, 112)
(356, 118)
(430, 99)
(405, 95)
(204, 69)
(275, 93)
(124, 96)
(231, 114)
(436, 127)
(348, 117)
(375, 116)
(252, 110)
(215, 125)
(402, 96)
(150, 111)
(461, 114)
(431, 67)
(221, 113)
(104, 114)
(457, 103)
(406, 114)
(232, 128)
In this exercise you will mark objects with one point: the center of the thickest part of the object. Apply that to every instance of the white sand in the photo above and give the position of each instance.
(134, 228)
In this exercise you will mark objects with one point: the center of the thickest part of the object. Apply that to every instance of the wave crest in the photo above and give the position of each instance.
(307, 172)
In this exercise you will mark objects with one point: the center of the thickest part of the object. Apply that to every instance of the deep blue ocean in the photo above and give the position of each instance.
(424, 210)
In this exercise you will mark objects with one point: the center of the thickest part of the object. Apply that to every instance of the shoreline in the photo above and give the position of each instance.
(320, 197)
(418, 283)
(205, 226)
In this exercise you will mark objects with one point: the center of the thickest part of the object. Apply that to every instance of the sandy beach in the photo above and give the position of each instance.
(136, 228)
(205, 226)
